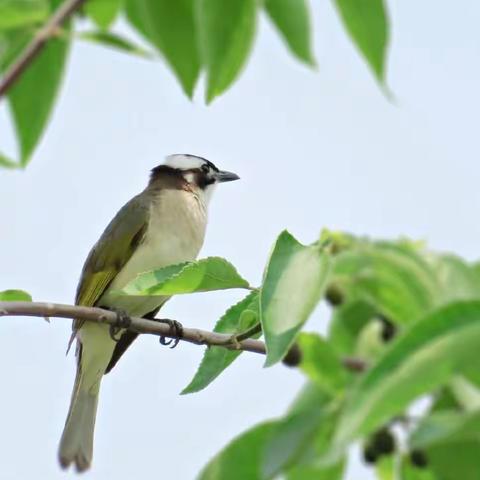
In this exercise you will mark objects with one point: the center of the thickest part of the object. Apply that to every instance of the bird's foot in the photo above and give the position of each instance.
(123, 321)
(177, 331)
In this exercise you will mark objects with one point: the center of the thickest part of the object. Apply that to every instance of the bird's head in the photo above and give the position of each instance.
(197, 172)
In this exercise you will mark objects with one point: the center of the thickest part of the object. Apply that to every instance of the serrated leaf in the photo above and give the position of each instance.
(292, 19)
(226, 32)
(171, 28)
(321, 363)
(426, 356)
(212, 273)
(15, 296)
(367, 24)
(115, 41)
(236, 319)
(103, 12)
(21, 13)
(240, 459)
(294, 282)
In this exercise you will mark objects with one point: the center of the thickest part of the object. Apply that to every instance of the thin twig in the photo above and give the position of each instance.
(142, 325)
(32, 50)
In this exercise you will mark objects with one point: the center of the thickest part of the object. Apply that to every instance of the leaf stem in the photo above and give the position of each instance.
(64, 11)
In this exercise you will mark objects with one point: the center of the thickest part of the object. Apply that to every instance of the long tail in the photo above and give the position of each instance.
(76, 444)
(95, 348)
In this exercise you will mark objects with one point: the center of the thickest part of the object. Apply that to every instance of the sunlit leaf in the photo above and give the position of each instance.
(321, 363)
(15, 296)
(21, 13)
(423, 358)
(212, 273)
(239, 317)
(294, 282)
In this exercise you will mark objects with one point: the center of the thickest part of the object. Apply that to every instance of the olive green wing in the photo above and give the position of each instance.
(112, 251)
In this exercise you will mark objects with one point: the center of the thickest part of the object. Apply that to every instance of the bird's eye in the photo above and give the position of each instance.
(205, 168)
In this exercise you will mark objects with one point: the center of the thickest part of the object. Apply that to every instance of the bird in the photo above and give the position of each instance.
(163, 225)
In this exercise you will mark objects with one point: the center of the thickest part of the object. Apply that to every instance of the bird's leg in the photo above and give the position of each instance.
(175, 327)
(123, 321)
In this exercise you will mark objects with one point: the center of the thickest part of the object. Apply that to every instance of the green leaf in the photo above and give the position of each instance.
(15, 296)
(226, 32)
(426, 356)
(237, 318)
(454, 461)
(408, 471)
(294, 282)
(20, 13)
(347, 322)
(212, 273)
(385, 468)
(367, 24)
(240, 460)
(103, 12)
(5, 162)
(321, 363)
(292, 18)
(308, 472)
(33, 95)
(171, 28)
(392, 277)
(448, 426)
(300, 438)
(115, 41)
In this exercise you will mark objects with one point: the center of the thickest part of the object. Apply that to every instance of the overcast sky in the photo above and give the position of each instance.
(314, 149)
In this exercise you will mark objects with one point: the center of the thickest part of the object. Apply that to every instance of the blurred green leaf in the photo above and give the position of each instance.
(240, 460)
(20, 13)
(237, 318)
(308, 472)
(347, 322)
(426, 356)
(448, 426)
(212, 273)
(15, 296)
(171, 28)
(115, 41)
(294, 282)
(5, 162)
(226, 32)
(385, 468)
(367, 23)
(408, 471)
(292, 19)
(455, 461)
(392, 277)
(103, 12)
(321, 363)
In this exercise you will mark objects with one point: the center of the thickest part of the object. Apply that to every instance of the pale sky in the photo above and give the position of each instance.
(314, 149)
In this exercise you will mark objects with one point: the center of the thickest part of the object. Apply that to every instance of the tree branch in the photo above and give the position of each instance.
(64, 11)
(143, 325)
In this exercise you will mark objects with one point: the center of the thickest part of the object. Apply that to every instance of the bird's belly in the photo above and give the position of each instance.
(175, 235)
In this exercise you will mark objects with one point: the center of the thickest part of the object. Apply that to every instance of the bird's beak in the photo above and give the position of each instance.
(223, 176)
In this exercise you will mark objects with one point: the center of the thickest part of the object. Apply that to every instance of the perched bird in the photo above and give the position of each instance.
(163, 225)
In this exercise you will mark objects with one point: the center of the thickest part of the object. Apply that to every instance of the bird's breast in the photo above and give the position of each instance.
(175, 234)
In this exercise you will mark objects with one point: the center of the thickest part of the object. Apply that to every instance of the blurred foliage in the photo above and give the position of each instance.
(192, 36)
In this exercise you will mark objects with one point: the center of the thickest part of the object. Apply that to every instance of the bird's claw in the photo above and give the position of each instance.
(123, 321)
(177, 330)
